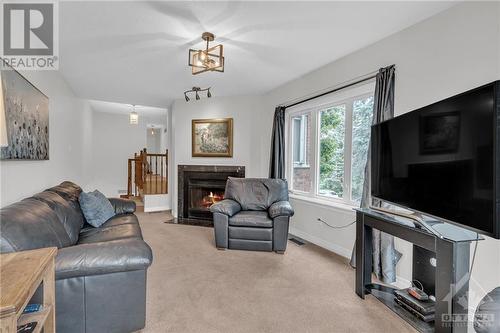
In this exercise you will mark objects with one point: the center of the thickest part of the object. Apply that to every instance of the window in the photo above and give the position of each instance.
(329, 139)
(301, 128)
(299, 139)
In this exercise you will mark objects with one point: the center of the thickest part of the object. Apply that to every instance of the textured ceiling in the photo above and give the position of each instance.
(136, 52)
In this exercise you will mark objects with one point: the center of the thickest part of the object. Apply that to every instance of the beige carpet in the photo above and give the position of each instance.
(193, 287)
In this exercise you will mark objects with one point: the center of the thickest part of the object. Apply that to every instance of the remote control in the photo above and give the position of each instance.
(32, 308)
(418, 294)
(27, 328)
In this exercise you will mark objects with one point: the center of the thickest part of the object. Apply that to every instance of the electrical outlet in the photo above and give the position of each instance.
(122, 191)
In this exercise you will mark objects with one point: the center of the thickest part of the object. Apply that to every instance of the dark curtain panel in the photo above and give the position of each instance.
(277, 161)
(385, 256)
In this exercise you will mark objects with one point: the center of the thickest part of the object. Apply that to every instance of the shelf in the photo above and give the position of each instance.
(40, 317)
(386, 296)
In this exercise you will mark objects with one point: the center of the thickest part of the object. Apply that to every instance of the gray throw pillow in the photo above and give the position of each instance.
(96, 208)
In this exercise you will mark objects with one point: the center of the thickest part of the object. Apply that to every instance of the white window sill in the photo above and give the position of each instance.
(301, 166)
(324, 202)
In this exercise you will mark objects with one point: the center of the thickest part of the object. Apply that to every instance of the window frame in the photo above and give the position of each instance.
(303, 161)
(313, 108)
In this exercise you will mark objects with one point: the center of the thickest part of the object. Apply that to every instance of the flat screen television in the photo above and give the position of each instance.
(444, 160)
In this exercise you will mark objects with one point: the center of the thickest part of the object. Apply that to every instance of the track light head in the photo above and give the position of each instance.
(208, 93)
(197, 96)
(186, 97)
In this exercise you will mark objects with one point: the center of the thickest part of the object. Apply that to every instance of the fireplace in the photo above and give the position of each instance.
(200, 186)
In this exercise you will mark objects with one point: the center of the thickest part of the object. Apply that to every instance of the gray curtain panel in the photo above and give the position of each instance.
(385, 256)
(277, 161)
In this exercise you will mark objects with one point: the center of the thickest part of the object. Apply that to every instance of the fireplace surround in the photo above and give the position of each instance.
(199, 186)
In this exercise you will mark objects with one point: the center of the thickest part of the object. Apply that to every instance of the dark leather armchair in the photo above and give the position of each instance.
(254, 215)
(100, 272)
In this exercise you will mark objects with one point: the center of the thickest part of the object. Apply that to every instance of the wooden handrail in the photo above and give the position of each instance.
(143, 171)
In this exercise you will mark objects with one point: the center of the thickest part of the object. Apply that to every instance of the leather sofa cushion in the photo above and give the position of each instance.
(103, 258)
(68, 190)
(251, 219)
(256, 193)
(115, 220)
(105, 234)
(122, 206)
(71, 218)
(30, 224)
(121, 219)
(265, 234)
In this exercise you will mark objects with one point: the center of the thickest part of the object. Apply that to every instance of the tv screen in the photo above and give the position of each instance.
(440, 160)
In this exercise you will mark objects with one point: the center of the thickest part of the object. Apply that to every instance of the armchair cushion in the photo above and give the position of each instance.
(280, 208)
(249, 218)
(227, 207)
(102, 258)
(122, 206)
(256, 193)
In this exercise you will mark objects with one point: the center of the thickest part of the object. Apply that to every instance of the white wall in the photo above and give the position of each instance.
(244, 110)
(67, 149)
(449, 53)
(114, 141)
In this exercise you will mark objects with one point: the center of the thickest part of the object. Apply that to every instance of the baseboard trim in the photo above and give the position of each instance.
(156, 209)
(346, 253)
(341, 251)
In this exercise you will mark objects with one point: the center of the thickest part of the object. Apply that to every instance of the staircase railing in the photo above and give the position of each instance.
(147, 174)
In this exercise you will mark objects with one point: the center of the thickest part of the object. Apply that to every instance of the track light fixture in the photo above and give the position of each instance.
(196, 91)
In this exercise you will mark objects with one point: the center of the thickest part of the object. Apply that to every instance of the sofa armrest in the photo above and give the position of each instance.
(280, 208)
(102, 258)
(122, 206)
(227, 207)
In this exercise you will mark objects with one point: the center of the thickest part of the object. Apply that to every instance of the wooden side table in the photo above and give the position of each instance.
(21, 273)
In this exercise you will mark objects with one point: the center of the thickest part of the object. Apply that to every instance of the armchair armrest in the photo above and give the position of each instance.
(227, 207)
(102, 258)
(122, 206)
(280, 208)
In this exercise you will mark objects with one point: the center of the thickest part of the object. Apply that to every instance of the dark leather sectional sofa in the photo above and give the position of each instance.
(100, 272)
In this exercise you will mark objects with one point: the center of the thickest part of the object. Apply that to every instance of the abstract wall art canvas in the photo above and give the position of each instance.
(26, 114)
(212, 137)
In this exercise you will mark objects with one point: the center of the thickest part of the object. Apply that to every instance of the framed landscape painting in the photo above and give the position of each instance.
(212, 137)
(24, 118)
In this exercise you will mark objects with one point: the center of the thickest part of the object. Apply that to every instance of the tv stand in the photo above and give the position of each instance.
(448, 281)
(413, 217)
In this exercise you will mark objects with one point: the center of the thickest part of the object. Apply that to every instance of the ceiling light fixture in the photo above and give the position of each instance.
(211, 59)
(196, 91)
(134, 117)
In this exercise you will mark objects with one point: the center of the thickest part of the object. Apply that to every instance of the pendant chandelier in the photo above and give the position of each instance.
(209, 60)
(134, 117)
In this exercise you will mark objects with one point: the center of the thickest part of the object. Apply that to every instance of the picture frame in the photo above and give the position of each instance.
(212, 137)
(24, 119)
